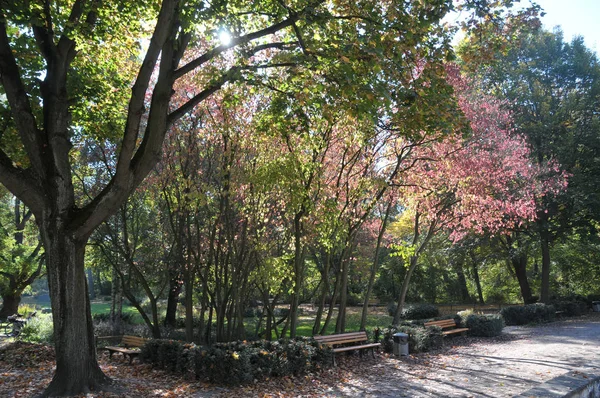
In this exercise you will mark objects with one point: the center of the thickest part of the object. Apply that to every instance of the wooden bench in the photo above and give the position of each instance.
(130, 346)
(347, 342)
(449, 324)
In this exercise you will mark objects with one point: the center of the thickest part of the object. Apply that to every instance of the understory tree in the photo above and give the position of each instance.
(21, 258)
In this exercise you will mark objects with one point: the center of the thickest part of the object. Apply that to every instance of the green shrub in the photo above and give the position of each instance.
(420, 311)
(420, 339)
(237, 362)
(484, 325)
(251, 312)
(573, 305)
(39, 329)
(415, 311)
(525, 314)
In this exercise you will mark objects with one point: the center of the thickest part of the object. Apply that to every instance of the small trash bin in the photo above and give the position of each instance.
(400, 344)
(596, 306)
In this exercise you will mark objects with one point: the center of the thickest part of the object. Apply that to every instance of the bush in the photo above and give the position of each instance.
(573, 305)
(420, 339)
(126, 317)
(484, 325)
(525, 314)
(39, 329)
(251, 312)
(415, 311)
(237, 362)
(420, 311)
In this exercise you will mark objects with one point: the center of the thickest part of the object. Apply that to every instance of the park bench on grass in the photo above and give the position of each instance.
(347, 342)
(130, 346)
(449, 324)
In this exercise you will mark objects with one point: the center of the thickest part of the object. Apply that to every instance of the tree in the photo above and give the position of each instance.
(21, 258)
(553, 89)
(484, 183)
(60, 59)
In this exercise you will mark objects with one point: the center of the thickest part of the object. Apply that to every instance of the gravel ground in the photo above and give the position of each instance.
(508, 365)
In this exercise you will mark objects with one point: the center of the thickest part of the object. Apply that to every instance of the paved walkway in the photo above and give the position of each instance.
(507, 366)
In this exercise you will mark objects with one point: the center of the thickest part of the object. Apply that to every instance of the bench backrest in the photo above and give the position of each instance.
(132, 341)
(342, 338)
(444, 323)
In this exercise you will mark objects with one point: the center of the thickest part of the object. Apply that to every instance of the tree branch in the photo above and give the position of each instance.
(236, 41)
(18, 100)
(21, 183)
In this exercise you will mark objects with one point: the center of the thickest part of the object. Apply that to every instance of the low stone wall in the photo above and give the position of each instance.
(570, 385)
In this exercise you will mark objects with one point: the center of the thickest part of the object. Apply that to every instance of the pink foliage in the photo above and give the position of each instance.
(485, 182)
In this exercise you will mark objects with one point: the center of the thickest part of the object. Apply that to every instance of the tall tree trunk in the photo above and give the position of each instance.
(189, 306)
(77, 368)
(90, 281)
(414, 260)
(10, 305)
(324, 293)
(404, 290)
(519, 264)
(465, 297)
(374, 267)
(334, 298)
(340, 325)
(175, 287)
(545, 247)
(116, 308)
(298, 272)
(475, 270)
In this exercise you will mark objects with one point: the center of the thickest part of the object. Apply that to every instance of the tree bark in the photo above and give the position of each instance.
(401, 300)
(172, 298)
(520, 266)
(90, 280)
(10, 305)
(414, 260)
(340, 325)
(465, 297)
(324, 293)
(299, 254)
(77, 369)
(374, 267)
(545, 247)
(475, 269)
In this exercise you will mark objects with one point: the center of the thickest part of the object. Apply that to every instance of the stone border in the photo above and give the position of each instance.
(574, 384)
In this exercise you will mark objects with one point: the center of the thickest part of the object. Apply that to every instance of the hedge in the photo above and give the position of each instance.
(415, 311)
(531, 313)
(237, 362)
(484, 325)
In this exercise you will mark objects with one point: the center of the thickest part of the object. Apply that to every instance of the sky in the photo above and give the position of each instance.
(576, 17)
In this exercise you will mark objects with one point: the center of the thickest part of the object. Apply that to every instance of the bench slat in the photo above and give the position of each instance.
(335, 337)
(357, 347)
(459, 330)
(349, 342)
(447, 324)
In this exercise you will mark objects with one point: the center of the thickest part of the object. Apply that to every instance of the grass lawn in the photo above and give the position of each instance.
(97, 307)
(377, 317)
